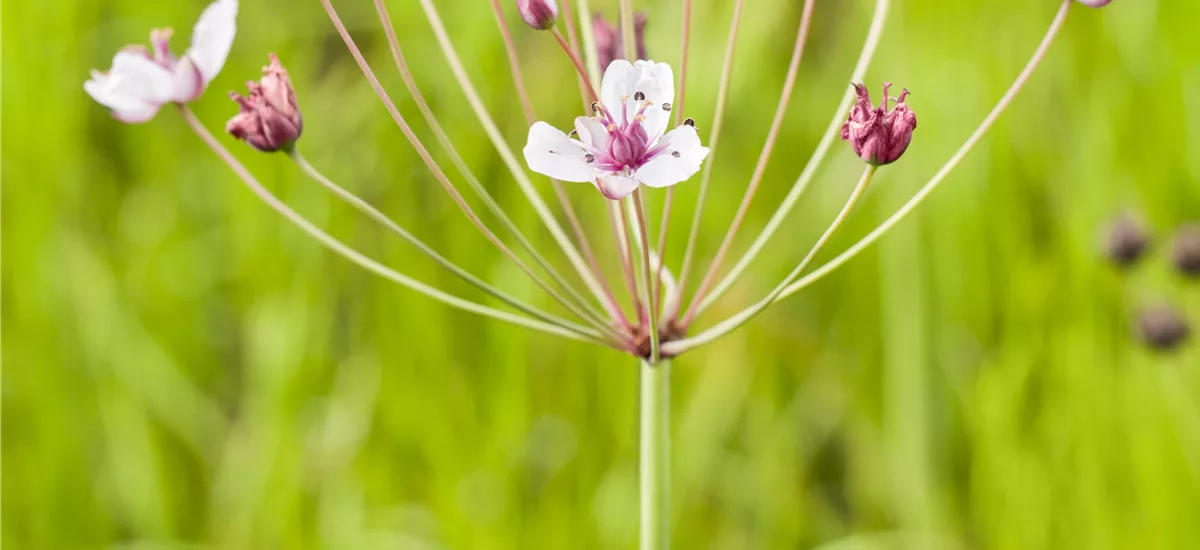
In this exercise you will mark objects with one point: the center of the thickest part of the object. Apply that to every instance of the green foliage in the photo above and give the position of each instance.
(183, 369)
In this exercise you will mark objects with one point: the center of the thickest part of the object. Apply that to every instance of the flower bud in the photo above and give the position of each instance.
(1185, 253)
(539, 14)
(1125, 241)
(269, 119)
(1094, 3)
(879, 135)
(1161, 327)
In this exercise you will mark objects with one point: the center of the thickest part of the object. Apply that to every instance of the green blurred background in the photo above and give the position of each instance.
(184, 369)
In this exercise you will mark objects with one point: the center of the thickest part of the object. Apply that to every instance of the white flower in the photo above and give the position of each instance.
(141, 81)
(623, 145)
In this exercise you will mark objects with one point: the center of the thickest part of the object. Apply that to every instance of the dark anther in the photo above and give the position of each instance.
(666, 107)
(675, 154)
(689, 122)
(574, 133)
(589, 158)
(639, 96)
(595, 106)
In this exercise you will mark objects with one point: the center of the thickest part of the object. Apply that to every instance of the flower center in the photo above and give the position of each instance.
(629, 145)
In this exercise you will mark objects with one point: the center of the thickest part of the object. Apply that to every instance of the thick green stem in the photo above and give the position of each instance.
(655, 457)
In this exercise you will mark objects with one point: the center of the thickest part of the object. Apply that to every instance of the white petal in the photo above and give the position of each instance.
(134, 88)
(619, 81)
(656, 81)
(656, 122)
(615, 186)
(187, 83)
(552, 153)
(592, 132)
(625, 80)
(212, 37)
(679, 160)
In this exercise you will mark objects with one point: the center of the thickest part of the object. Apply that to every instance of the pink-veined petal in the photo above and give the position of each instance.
(212, 37)
(615, 186)
(592, 132)
(187, 84)
(550, 152)
(679, 160)
(134, 88)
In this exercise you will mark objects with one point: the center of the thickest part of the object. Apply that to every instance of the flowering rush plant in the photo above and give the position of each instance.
(633, 138)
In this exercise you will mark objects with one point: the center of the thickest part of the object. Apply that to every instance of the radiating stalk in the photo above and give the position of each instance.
(680, 94)
(814, 162)
(438, 174)
(456, 158)
(654, 458)
(672, 349)
(626, 242)
(514, 64)
(932, 184)
(639, 214)
(760, 167)
(366, 208)
(628, 37)
(359, 258)
(588, 38)
(505, 152)
(713, 137)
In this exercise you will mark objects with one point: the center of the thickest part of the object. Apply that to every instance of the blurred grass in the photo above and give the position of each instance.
(182, 369)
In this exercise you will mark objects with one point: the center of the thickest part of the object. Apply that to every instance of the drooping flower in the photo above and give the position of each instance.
(539, 14)
(608, 39)
(879, 135)
(623, 145)
(269, 119)
(1095, 3)
(142, 80)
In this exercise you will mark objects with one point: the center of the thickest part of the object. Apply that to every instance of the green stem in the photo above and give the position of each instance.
(655, 455)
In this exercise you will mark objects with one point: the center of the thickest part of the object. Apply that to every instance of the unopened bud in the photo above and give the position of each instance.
(1094, 3)
(879, 135)
(1185, 253)
(539, 14)
(269, 119)
(1161, 327)
(1125, 241)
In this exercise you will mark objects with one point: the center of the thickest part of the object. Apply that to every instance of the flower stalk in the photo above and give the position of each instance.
(361, 259)
(945, 170)
(810, 168)
(713, 137)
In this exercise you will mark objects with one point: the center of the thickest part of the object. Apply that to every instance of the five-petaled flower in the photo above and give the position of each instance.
(623, 144)
(269, 118)
(879, 136)
(143, 80)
